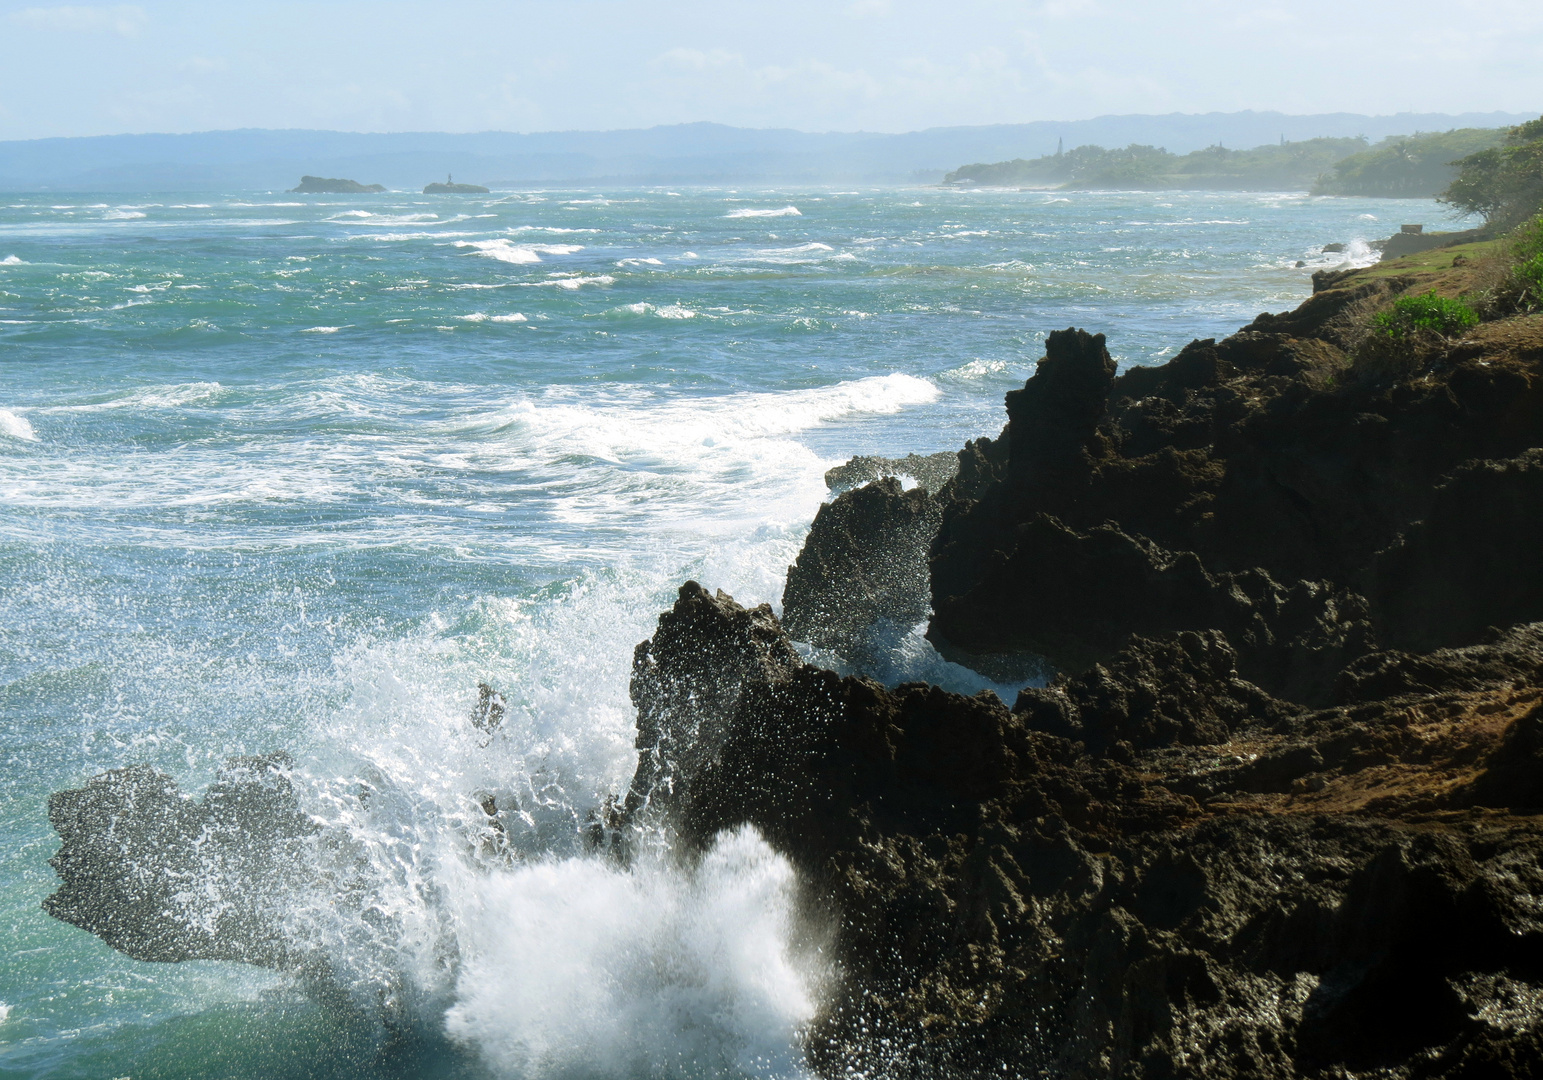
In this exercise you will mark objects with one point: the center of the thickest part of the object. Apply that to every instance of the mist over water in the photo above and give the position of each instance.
(298, 474)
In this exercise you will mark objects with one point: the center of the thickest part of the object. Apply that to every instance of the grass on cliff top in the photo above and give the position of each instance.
(1435, 260)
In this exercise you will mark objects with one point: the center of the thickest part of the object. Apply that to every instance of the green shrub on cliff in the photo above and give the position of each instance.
(1504, 183)
(1411, 315)
(1527, 264)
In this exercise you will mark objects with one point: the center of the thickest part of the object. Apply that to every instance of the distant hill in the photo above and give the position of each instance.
(678, 154)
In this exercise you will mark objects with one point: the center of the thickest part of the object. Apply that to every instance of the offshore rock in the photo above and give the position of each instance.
(322, 185)
(159, 876)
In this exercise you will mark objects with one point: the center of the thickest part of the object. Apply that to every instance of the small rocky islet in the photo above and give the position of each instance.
(1281, 815)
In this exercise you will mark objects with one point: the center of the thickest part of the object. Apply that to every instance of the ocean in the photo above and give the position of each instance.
(297, 473)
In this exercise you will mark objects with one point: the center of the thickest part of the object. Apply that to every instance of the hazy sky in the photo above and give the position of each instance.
(878, 65)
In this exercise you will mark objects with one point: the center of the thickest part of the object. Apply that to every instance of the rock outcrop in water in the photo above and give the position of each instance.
(323, 185)
(159, 876)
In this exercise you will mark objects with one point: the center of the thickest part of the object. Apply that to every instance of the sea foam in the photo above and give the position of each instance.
(17, 427)
(747, 212)
(507, 251)
(579, 966)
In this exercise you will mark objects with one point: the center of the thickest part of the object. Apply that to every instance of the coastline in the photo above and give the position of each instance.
(949, 831)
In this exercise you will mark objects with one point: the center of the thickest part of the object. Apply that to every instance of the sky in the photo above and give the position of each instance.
(838, 65)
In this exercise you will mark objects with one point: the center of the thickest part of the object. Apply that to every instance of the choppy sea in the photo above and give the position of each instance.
(297, 472)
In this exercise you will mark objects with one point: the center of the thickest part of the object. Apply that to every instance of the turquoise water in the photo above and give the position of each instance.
(298, 472)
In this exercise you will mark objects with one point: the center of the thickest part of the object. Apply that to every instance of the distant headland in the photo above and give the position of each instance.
(322, 185)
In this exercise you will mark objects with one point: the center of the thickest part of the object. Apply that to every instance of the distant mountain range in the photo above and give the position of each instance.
(252, 159)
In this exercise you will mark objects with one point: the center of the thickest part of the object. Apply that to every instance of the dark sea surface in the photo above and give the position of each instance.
(288, 472)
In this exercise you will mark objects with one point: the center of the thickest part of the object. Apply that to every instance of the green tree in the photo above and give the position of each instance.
(1503, 183)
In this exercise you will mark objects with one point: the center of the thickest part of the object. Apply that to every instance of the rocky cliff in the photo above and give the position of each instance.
(1279, 818)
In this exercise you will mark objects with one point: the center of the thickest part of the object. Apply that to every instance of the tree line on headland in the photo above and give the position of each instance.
(1415, 166)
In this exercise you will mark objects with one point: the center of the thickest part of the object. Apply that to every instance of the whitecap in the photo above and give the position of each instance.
(786, 211)
(675, 311)
(476, 316)
(976, 369)
(17, 427)
(507, 251)
(640, 262)
(512, 317)
(5, 1012)
(12, 260)
(122, 215)
(321, 329)
(548, 228)
(575, 282)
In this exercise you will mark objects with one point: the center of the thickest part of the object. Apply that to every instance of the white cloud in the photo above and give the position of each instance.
(125, 20)
(697, 60)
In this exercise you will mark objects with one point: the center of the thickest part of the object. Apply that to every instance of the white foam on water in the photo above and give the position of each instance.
(747, 212)
(976, 369)
(170, 396)
(393, 237)
(640, 262)
(512, 317)
(16, 427)
(577, 966)
(12, 260)
(474, 317)
(5, 1012)
(321, 329)
(507, 251)
(575, 281)
(813, 251)
(374, 218)
(122, 215)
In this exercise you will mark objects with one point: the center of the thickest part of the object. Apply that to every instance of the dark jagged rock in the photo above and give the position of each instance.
(1473, 562)
(323, 185)
(159, 876)
(1204, 493)
(1155, 869)
(863, 569)
(1181, 690)
(1078, 597)
(931, 471)
(687, 679)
